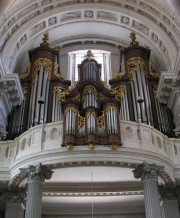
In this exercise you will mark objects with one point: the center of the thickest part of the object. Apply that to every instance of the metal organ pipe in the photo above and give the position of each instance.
(46, 96)
(134, 101)
(162, 117)
(53, 107)
(43, 92)
(141, 93)
(37, 119)
(33, 100)
(111, 115)
(150, 110)
(70, 121)
(136, 98)
(126, 105)
(122, 109)
(159, 115)
(147, 100)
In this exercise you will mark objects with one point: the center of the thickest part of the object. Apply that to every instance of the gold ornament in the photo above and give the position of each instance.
(46, 63)
(91, 146)
(100, 121)
(69, 147)
(132, 63)
(113, 146)
(60, 94)
(119, 92)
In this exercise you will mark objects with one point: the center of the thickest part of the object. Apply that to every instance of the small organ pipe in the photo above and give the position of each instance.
(141, 93)
(122, 107)
(136, 97)
(34, 99)
(134, 100)
(46, 100)
(53, 107)
(146, 100)
(126, 105)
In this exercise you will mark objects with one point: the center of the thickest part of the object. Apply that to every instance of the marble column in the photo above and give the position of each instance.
(169, 203)
(14, 204)
(36, 175)
(148, 173)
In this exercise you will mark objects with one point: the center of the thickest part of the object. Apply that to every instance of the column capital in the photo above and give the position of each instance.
(167, 193)
(14, 195)
(147, 171)
(36, 173)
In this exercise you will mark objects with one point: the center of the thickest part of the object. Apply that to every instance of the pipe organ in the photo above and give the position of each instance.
(137, 81)
(91, 109)
(44, 88)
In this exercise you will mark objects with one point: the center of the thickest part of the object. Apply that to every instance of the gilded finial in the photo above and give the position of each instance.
(45, 38)
(89, 55)
(91, 146)
(133, 38)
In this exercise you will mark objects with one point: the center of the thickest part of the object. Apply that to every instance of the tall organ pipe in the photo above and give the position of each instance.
(126, 105)
(136, 97)
(147, 100)
(141, 93)
(134, 101)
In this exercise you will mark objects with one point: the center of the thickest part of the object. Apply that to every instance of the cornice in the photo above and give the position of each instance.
(169, 83)
(18, 178)
(42, 16)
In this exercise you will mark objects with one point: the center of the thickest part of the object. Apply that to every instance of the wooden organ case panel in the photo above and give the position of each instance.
(91, 109)
(138, 81)
(44, 91)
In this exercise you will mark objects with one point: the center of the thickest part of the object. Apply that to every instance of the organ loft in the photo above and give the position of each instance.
(90, 108)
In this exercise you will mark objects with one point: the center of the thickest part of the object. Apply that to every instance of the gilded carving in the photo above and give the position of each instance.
(132, 63)
(70, 108)
(109, 107)
(77, 98)
(81, 121)
(59, 75)
(155, 87)
(100, 121)
(113, 146)
(45, 38)
(46, 63)
(118, 75)
(24, 75)
(119, 92)
(60, 94)
(69, 147)
(152, 71)
(105, 84)
(90, 89)
(91, 146)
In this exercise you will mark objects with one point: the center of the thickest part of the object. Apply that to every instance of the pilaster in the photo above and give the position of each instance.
(14, 203)
(169, 203)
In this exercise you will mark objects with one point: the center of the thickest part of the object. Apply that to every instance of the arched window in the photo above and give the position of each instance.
(102, 57)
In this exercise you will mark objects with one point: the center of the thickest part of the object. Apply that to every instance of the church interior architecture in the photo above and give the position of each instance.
(89, 109)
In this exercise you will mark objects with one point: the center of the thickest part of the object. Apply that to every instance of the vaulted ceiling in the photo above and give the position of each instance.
(73, 22)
